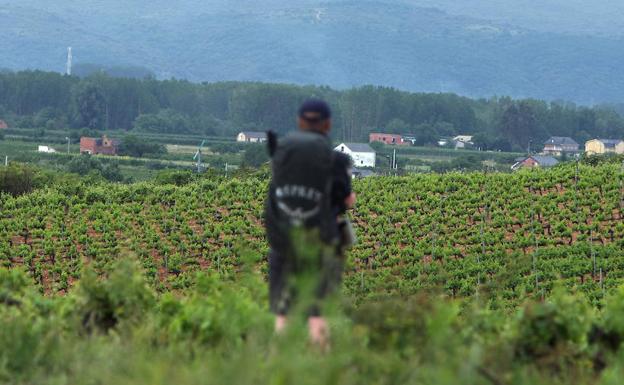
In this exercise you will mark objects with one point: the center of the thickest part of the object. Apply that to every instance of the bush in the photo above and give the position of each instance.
(228, 148)
(255, 155)
(405, 324)
(216, 312)
(138, 147)
(175, 177)
(102, 304)
(85, 165)
(609, 332)
(553, 331)
(17, 179)
(29, 335)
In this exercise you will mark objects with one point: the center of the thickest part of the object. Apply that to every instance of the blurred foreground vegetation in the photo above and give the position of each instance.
(115, 330)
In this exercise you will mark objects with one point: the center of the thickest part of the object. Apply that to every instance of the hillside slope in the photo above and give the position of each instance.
(511, 235)
(338, 43)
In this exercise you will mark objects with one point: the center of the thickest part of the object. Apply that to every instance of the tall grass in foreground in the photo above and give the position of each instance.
(116, 330)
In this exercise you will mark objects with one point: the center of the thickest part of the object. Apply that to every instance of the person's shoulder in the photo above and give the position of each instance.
(342, 159)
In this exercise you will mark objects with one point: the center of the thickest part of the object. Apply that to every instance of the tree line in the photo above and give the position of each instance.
(36, 99)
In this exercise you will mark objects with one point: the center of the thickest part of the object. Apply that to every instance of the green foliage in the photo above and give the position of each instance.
(228, 148)
(124, 297)
(86, 164)
(165, 121)
(255, 155)
(216, 312)
(165, 282)
(89, 106)
(220, 332)
(175, 107)
(553, 329)
(596, 160)
(175, 177)
(136, 147)
(405, 324)
(17, 179)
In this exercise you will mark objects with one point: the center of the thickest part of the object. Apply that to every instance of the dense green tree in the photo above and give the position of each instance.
(90, 106)
(35, 99)
(397, 126)
(88, 165)
(17, 179)
(255, 155)
(134, 146)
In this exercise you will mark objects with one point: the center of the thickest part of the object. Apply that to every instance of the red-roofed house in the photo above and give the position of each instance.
(386, 138)
(96, 146)
(3, 125)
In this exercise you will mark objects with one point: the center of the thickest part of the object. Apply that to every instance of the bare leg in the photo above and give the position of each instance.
(280, 323)
(319, 332)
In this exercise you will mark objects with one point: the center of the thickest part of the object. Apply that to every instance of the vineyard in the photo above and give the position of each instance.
(498, 278)
(512, 235)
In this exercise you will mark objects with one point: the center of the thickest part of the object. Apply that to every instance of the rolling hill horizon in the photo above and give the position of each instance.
(413, 45)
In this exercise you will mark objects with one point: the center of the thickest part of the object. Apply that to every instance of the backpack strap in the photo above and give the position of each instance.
(271, 143)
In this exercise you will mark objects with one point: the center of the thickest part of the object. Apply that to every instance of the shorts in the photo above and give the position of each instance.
(288, 281)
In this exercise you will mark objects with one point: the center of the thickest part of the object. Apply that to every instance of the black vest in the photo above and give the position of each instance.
(300, 189)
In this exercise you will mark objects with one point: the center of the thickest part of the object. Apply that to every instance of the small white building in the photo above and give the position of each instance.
(251, 137)
(462, 141)
(362, 154)
(46, 149)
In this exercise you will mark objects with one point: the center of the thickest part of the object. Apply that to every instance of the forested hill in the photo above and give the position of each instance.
(414, 45)
(49, 100)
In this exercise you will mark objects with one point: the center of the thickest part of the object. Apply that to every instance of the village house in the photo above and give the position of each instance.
(3, 125)
(387, 139)
(535, 161)
(462, 141)
(46, 149)
(558, 145)
(362, 154)
(251, 137)
(604, 146)
(95, 146)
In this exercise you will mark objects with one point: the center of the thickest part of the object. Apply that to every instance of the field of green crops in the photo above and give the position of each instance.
(457, 278)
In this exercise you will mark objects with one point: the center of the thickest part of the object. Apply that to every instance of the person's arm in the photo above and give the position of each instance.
(343, 197)
(350, 201)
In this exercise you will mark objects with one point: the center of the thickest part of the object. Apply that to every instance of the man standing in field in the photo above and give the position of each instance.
(309, 192)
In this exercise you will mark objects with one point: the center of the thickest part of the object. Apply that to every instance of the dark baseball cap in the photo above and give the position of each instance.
(314, 111)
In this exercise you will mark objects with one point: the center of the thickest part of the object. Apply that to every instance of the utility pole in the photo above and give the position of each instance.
(394, 160)
(68, 69)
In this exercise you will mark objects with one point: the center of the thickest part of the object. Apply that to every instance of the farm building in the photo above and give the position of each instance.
(604, 146)
(535, 161)
(387, 139)
(96, 146)
(3, 125)
(362, 154)
(558, 145)
(251, 137)
(46, 149)
(462, 141)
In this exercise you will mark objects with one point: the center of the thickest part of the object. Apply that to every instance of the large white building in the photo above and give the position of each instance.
(362, 154)
(251, 137)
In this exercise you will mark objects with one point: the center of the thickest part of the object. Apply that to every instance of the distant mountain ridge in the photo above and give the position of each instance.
(408, 44)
